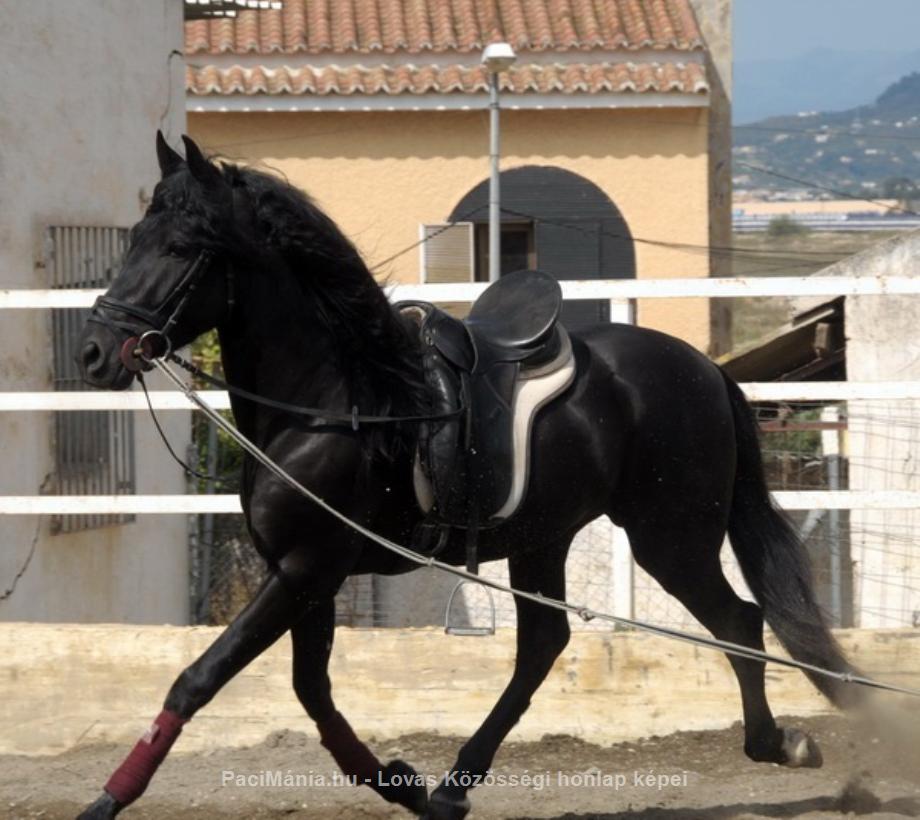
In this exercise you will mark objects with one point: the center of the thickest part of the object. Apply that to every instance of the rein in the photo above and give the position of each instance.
(354, 419)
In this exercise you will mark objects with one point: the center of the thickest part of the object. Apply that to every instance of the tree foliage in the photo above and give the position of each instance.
(785, 226)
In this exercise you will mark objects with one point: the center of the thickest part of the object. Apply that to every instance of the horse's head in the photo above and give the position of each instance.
(175, 282)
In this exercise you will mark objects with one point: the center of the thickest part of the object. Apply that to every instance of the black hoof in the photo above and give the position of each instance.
(766, 748)
(445, 808)
(105, 808)
(399, 783)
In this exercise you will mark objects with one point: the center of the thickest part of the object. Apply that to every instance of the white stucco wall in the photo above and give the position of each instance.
(85, 85)
(883, 344)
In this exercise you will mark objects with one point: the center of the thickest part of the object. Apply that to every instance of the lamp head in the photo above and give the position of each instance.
(498, 57)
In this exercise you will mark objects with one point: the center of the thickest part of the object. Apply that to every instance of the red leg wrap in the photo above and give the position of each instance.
(352, 756)
(132, 776)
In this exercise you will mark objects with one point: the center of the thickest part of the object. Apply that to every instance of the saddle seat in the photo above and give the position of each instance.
(514, 319)
(500, 365)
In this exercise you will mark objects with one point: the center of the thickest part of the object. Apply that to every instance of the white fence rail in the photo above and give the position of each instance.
(615, 289)
(174, 400)
(195, 504)
(619, 292)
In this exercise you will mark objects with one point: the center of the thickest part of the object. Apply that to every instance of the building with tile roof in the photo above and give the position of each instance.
(378, 108)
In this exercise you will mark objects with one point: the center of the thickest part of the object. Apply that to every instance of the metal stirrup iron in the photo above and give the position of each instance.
(470, 631)
(472, 566)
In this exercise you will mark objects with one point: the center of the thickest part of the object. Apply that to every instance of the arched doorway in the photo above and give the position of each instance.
(557, 221)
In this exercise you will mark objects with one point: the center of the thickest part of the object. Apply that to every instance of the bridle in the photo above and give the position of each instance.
(142, 346)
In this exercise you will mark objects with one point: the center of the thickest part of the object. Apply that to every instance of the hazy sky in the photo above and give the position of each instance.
(783, 28)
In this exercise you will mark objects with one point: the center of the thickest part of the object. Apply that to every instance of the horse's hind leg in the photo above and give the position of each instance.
(688, 568)
(312, 641)
(267, 617)
(542, 634)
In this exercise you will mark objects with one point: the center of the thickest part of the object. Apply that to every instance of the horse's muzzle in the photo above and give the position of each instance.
(99, 367)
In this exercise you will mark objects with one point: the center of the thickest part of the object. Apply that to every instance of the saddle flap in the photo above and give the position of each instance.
(452, 338)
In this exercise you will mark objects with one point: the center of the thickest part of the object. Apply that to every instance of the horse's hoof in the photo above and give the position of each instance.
(445, 808)
(800, 750)
(399, 783)
(105, 808)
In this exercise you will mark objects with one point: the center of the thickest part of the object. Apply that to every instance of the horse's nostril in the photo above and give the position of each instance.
(90, 354)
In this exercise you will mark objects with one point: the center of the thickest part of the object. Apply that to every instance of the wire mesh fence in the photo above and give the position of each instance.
(866, 563)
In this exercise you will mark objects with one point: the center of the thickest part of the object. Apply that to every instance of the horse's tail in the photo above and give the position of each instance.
(776, 566)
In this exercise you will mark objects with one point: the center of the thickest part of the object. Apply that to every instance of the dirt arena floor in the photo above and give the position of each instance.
(705, 776)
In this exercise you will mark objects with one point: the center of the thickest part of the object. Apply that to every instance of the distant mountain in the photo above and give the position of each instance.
(821, 80)
(853, 150)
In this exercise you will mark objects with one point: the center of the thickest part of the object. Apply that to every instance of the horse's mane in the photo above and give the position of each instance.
(377, 353)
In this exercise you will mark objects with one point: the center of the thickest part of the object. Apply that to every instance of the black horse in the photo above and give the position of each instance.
(650, 433)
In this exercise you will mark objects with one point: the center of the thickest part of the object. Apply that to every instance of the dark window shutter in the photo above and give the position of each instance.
(573, 251)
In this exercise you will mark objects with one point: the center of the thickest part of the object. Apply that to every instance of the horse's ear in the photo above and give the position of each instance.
(205, 172)
(169, 159)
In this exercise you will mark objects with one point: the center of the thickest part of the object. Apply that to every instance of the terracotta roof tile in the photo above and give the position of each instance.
(293, 26)
(417, 26)
(344, 28)
(196, 36)
(369, 38)
(522, 79)
(405, 30)
(247, 32)
(539, 33)
(318, 32)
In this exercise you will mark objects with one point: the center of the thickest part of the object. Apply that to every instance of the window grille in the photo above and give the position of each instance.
(93, 450)
(208, 9)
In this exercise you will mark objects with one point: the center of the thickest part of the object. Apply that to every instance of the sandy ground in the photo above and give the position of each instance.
(707, 777)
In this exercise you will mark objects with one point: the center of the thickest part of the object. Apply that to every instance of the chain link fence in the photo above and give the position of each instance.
(866, 562)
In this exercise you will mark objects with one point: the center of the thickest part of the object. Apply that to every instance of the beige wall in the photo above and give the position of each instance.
(380, 175)
(85, 86)
(606, 686)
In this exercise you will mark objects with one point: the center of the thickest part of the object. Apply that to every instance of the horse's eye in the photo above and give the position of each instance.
(177, 250)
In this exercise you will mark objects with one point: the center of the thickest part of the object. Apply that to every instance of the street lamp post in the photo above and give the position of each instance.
(496, 57)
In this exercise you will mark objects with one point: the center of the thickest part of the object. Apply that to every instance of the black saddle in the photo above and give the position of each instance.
(474, 364)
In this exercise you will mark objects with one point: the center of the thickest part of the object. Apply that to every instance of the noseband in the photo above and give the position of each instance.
(142, 346)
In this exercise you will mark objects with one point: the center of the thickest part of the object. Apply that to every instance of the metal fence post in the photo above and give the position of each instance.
(830, 444)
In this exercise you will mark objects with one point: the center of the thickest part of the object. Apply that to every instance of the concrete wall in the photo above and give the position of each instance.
(606, 686)
(382, 174)
(85, 86)
(883, 344)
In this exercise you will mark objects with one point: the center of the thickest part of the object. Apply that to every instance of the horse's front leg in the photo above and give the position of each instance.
(267, 617)
(542, 634)
(396, 781)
